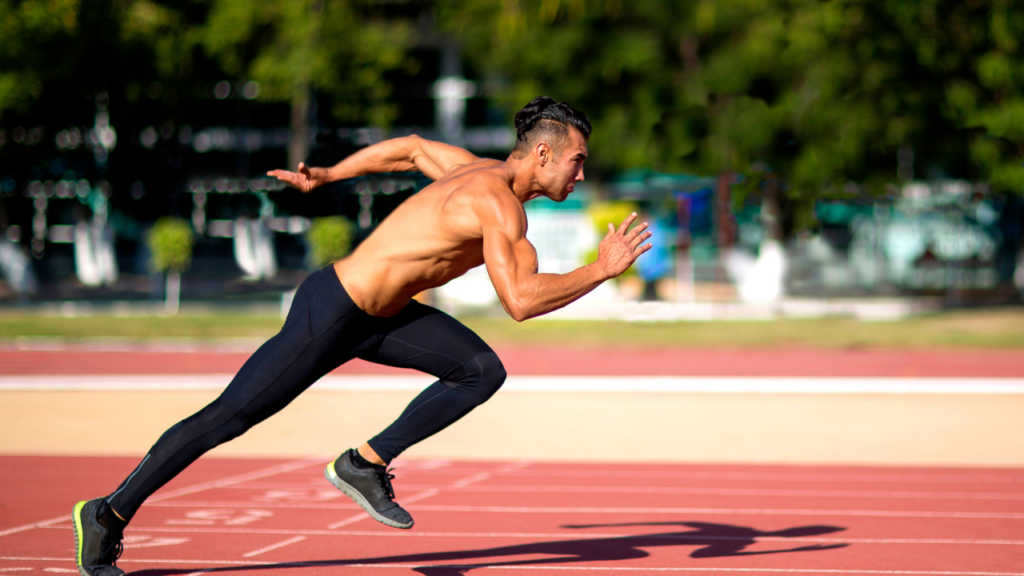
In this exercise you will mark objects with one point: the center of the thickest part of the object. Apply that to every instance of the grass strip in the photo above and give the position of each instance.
(988, 328)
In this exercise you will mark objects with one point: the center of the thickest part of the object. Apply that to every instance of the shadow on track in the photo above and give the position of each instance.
(713, 541)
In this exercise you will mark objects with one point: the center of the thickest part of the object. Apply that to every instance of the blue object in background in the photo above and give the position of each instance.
(656, 263)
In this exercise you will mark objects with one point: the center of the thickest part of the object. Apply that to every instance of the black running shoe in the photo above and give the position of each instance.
(370, 487)
(96, 547)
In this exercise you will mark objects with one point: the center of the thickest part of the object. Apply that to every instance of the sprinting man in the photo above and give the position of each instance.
(362, 307)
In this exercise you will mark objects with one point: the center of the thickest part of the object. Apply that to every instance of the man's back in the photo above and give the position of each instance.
(430, 239)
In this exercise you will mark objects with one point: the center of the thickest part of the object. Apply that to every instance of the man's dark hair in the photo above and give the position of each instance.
(547, 120)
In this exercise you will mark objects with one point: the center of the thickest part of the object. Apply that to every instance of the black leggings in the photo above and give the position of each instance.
(324, 330)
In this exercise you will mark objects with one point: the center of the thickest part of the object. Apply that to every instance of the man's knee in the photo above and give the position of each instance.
(486, 374)
(210, 427)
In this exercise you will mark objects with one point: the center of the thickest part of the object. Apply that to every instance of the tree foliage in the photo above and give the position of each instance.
(336, 47)
(330, 239)
(291, 47)
(812, 94)
(32, 32)
(170, 243)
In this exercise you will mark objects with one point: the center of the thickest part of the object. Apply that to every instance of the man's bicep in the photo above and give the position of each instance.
(509, 258)
(435, 159)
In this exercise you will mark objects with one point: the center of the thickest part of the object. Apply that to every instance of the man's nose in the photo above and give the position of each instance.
(579, 177)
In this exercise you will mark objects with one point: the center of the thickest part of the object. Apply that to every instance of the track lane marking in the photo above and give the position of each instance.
(497, 566)
(41, 524)
(237, 479)
(687, 490)
(591, 510)
(855, 385)
(780, 476)
(276, 469)
(280, 544)
(1013, 477)
(568, 535)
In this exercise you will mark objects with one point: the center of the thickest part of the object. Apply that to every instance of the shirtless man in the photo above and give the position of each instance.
(362, 307)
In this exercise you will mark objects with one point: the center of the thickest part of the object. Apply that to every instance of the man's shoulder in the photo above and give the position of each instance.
(487, 191)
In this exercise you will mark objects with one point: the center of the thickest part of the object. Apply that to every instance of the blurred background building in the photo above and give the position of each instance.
(836, 151)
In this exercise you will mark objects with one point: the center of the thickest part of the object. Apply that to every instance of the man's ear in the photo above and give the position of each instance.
(544, 153)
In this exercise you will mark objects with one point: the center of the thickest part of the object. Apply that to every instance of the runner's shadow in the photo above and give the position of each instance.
(713, 541)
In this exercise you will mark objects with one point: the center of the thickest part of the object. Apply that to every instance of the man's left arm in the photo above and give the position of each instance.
(405, 154)
(512, 263)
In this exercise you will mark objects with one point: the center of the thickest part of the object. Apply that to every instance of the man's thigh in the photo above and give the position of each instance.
(425, 339)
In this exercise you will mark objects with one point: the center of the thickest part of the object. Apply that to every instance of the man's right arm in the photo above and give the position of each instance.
(406, 154)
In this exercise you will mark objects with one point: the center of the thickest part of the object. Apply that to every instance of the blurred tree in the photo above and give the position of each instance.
(805, 98)
(170, 243)
(330, 239)
(291, 48)
(25, 28)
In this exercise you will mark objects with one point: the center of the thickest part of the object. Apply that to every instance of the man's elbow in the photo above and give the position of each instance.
(517, 311)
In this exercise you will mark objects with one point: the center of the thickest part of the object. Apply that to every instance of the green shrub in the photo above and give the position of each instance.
(170, 243)
(330, 239)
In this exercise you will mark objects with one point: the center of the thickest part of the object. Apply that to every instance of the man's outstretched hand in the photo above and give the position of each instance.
(622, 246)
(305, 179)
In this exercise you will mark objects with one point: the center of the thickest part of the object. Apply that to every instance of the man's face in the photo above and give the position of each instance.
(559, 175)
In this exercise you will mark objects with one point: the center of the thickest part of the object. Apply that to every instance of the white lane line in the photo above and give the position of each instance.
(498, 566)
(155, 500)
(592, 510)
(349, 520)
(41, 524)
(471, 480)
(254, 475)
(61, 570)
(755, 492)
(573, 536)
(421, 496)
(677, 490)
(20, 569)
(280, 544)
(513, 466)
(759, 511)
(548, 384)
(779, 476)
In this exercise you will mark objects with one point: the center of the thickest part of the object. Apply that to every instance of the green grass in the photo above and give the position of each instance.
(139, 327)
(1002, 328)
(989, 328)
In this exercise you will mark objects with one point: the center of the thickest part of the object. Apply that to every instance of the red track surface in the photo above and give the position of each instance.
(281, 518)
(569, 361)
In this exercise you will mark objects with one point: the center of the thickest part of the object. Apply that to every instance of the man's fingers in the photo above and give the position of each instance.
(611, 228)
(299, 181)
(625, 223)
(638, 239)
(639, 228)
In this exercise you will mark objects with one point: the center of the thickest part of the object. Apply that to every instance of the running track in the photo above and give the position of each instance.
(281, 518)
(556, 361)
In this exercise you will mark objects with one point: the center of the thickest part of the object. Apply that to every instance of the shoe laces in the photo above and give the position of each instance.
(113, 550)
(384, 477)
